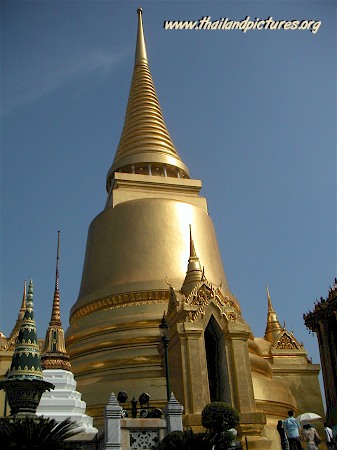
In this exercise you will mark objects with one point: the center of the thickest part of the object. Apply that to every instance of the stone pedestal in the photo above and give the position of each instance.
(112, 431)
(24, 395)
(64, 401)
(173, 414)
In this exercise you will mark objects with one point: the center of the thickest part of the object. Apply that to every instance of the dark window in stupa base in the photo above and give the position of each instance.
(216, 363)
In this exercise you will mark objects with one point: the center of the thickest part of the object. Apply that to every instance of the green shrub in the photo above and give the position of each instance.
(175, 440)
(186, 440)
(218, 417)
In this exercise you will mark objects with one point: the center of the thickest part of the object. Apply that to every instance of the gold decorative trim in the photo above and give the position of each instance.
(286, 341)
(192, 307)
(119, 368)
(56, 363)
(120, 301)
(202, 295)
(110, 344)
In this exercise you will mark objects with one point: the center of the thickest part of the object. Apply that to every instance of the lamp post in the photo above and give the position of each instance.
(165, 338)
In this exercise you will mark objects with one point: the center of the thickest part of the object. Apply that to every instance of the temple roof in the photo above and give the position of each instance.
(54, 354)
(145, 139)
(324, 311)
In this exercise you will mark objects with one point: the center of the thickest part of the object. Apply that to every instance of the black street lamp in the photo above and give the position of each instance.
(165, 338)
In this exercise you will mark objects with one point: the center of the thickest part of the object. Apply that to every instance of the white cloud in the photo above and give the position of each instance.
(35, 82)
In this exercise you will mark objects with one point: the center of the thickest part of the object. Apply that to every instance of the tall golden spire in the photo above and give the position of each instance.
(194, 272)
(273, 327)
(141, 55)
(54, 354)
(145, 145)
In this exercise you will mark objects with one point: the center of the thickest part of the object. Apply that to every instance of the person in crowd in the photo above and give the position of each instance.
(283, 436)
(292, 427)
(311, 437)
(330, 442)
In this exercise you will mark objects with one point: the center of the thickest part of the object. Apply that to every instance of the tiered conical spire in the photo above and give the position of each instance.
(273, 327)
(26, 362)
(194, 272)
(54, 354)
(145, 146)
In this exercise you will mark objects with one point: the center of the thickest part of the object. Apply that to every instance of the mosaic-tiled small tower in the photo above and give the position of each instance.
(25, 383)
(54, 355)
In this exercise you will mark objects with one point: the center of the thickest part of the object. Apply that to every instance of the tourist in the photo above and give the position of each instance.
(330, 442)
(292, 427)
(311, 437)
(283, 436)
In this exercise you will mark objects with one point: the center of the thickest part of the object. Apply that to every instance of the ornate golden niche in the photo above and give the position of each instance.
(287, 341)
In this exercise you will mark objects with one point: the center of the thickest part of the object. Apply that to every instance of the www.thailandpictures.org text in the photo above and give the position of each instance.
(224, 23)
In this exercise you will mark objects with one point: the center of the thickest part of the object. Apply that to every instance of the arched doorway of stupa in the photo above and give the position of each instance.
(208, 350)
(217, 362)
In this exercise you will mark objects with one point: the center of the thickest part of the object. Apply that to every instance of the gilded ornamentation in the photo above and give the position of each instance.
(173, 302)
(121, 300)
(10, 345)
(201, 296)
(287, 341)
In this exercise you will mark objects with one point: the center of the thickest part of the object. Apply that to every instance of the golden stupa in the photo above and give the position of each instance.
(153, 250)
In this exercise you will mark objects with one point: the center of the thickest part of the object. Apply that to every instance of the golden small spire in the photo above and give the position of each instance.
(141, 55)
(273, 327)
(54, 354)
(145, 145)
(55, 315)
(194, 273)
(15, 332)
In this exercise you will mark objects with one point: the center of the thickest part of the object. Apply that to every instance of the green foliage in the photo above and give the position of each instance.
(221, 441)
(218, 417)
(185, 440)
(35, 433)
(175, 440)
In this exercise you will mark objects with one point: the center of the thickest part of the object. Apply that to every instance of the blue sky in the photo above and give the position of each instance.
(251, 114)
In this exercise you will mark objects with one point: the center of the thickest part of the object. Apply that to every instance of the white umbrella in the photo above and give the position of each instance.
(307, 417)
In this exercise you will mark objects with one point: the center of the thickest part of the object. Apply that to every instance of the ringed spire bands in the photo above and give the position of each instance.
(145, 145)
(54, 354)
(26, 362)
(273, 328)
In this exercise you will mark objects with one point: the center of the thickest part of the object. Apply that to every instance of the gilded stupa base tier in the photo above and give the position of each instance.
(118, 351)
